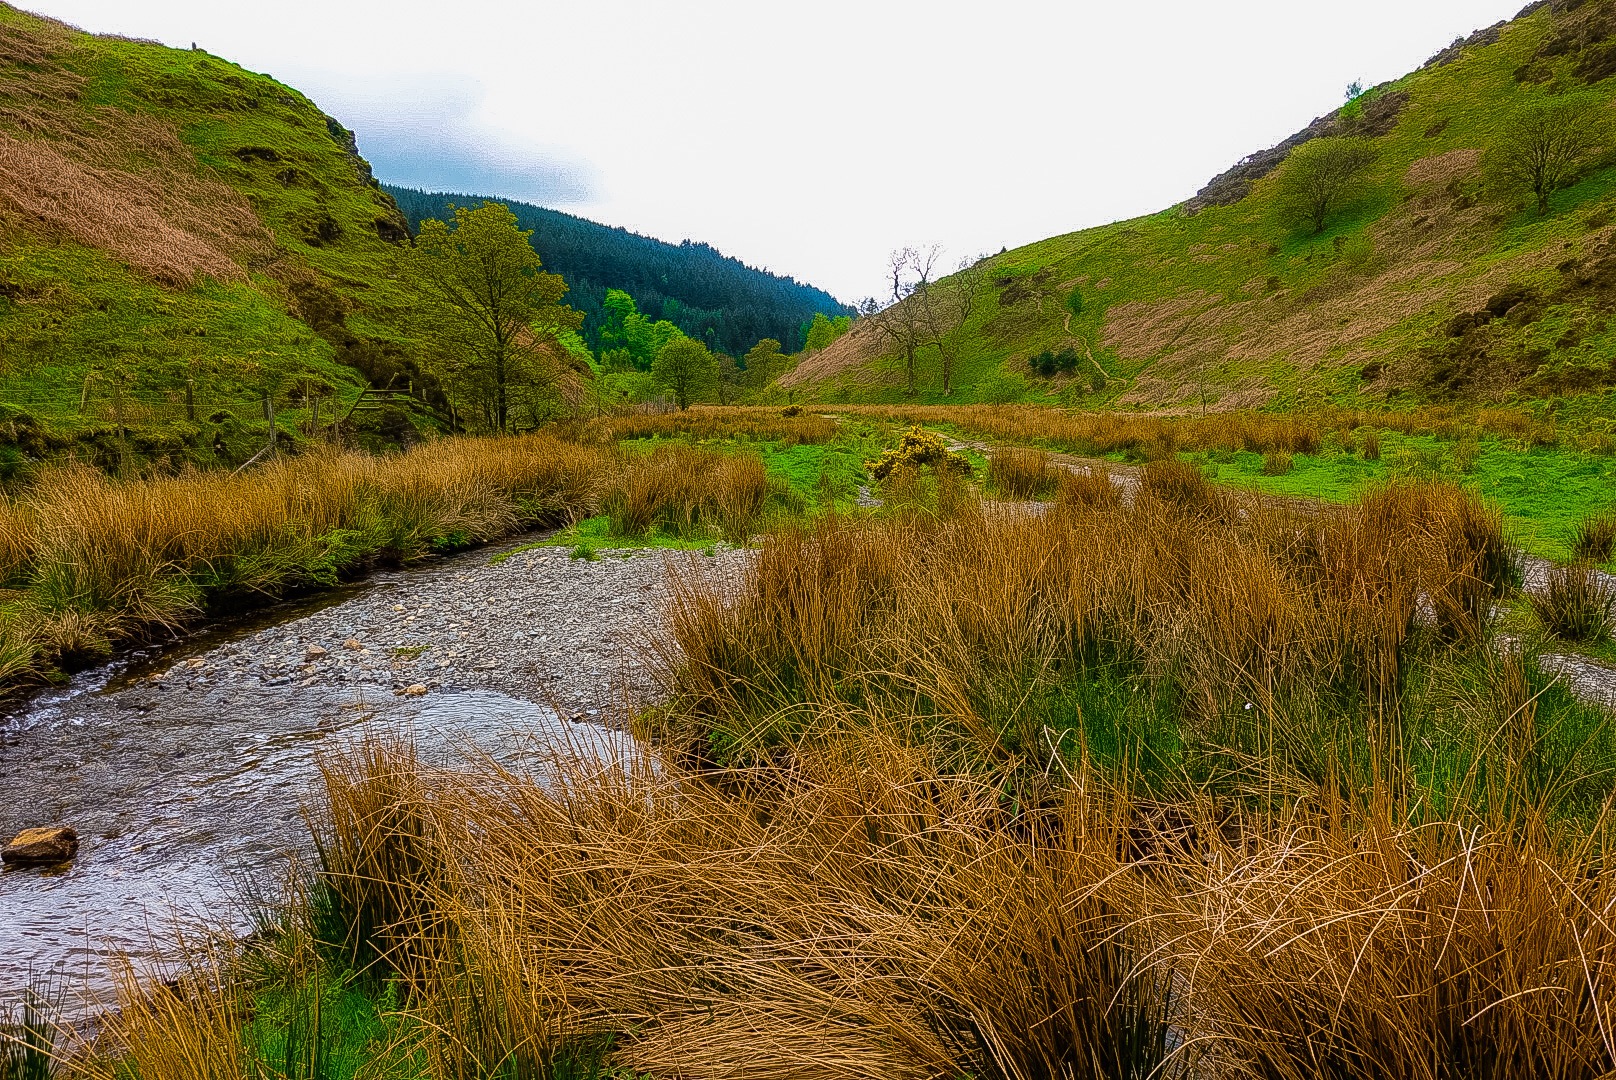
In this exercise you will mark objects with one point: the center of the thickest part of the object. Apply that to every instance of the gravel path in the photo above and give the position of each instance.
(568, 633)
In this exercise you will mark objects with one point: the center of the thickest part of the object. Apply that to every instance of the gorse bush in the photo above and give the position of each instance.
(916, 450)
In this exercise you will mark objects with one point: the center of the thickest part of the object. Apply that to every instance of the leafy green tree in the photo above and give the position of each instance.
(1320, 177)
(824, 330)
(764, 363)
(1545, 147)
(628, 330)
(730, 379)
(487, 305)
(686, 369)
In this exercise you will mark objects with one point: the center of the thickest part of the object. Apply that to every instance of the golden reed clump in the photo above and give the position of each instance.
(865, 913)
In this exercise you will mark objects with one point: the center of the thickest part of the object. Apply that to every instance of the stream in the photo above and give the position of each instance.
(187, 792)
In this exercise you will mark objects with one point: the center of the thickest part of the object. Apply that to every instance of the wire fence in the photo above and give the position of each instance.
(75, 406)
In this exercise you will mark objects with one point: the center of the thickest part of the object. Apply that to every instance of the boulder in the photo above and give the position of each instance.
(41, 847)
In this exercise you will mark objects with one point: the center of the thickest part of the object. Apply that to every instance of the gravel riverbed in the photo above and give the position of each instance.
(572, 634)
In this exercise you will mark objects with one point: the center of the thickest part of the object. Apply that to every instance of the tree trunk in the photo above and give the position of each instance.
(909, 365)
(500, 404)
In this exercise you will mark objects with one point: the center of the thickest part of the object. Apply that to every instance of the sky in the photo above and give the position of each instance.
(813, 138)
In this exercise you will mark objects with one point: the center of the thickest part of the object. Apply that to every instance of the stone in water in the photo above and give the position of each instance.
(41, 847)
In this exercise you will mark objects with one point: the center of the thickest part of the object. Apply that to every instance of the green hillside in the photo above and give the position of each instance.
(1432, 283)
(710, 296)
(172, 223)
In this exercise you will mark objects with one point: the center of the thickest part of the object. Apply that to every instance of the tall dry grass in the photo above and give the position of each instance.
(100, 560)
(982, 626)
(711, 422)
(691, 491)
(864, 913)
(1022, 472)
(1156, 436)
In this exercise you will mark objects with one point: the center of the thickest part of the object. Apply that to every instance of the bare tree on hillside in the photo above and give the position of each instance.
(946, 306)
(1544, 148)
(902, 317)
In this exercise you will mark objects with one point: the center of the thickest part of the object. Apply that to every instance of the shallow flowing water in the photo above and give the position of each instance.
(188, 799)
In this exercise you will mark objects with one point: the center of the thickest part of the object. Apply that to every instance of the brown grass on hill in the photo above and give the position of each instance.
(119, 212)
(844, 355)
(117, 181)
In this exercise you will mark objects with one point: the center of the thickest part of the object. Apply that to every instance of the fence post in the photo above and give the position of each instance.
(269, 415)
(190, 400)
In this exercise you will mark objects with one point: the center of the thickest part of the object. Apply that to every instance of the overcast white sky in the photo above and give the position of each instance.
(812, 138)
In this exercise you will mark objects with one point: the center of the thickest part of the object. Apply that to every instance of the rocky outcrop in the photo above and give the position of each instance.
(1375, 116)
(41, 847)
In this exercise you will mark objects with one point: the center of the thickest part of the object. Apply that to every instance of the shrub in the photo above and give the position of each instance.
(1575, 604)
(1048, 363)
(918, 448)
(1595, 538)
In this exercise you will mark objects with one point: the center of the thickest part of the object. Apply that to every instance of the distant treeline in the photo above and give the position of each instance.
(708, 295)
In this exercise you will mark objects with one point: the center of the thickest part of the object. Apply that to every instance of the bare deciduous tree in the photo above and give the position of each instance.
(902, 316)
(946, 306)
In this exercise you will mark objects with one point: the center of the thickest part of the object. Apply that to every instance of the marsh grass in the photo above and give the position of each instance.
(1190, 636)
(1576, 603)
(1022, 473)
(691, 492)
(97, 561)
(863, 912)
(1594, 540)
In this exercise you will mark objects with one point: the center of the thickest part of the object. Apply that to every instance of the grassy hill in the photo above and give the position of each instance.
(172, 223)
(707, 294)
(1431, 286)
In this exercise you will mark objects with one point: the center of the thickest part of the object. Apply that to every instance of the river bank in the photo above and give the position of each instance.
(185, 773)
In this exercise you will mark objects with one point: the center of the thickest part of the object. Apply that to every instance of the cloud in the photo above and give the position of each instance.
(425, 132)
